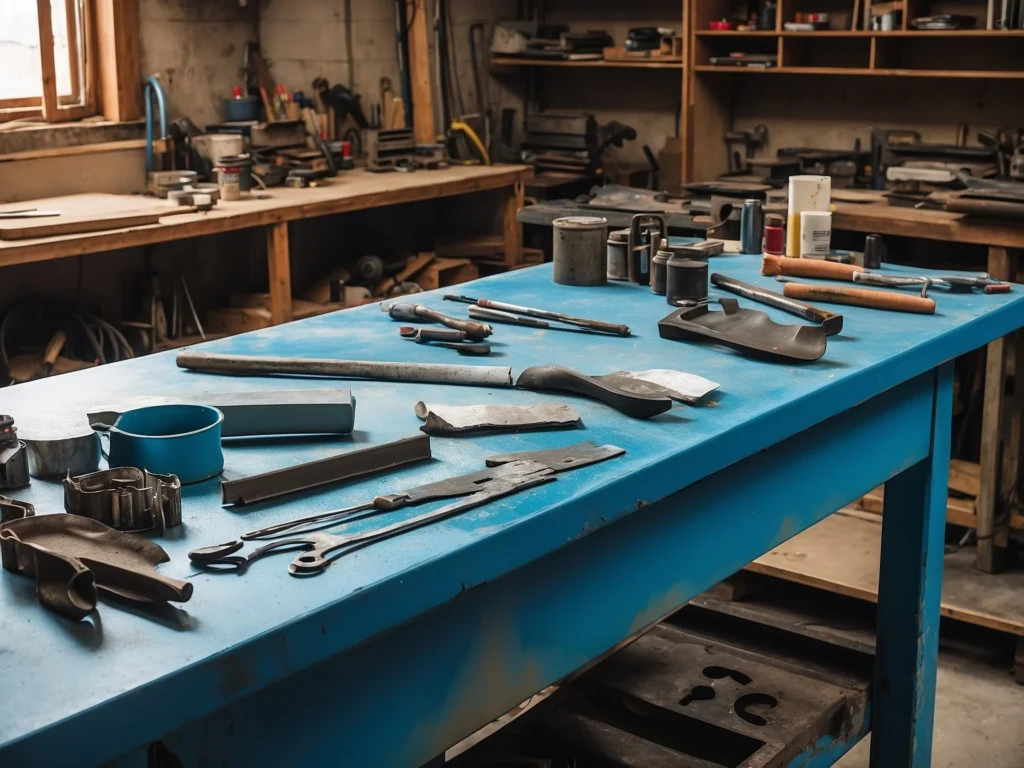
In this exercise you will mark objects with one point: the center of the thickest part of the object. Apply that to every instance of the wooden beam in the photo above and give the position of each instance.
(120, 68)
(423, 128)
(279, 271)
(991, 430)
(50, 107)
(513, 230)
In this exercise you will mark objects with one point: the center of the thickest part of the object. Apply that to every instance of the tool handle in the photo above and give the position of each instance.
(860, 297)
(997, 288)
(439, 334)
(826, 270)
(772, 299)
(473, 330)
(597, 325)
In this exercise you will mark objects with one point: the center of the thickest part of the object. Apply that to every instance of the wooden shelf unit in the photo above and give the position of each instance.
(508, 61)
(710, 93)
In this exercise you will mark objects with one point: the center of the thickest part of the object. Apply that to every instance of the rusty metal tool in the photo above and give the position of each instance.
(512, 478)
(423, 335)
(640, 400)
(427, 373)
(312, 474)
(955, 283)
(860, 297)
(409, 311)
(582, 322)
(126, 498)
(556, 459)
(830, 321)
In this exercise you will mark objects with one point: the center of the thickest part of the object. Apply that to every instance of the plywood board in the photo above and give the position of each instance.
(92, 212)
(841, 554)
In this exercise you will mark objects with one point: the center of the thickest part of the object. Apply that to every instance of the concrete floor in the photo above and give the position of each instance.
(979, 717)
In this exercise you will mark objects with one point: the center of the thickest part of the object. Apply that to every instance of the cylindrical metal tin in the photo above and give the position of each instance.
(659, 269)
(618, 247)
(751, 226)
(874, 251)
(579, 254)
(774, 235)
(685, 280)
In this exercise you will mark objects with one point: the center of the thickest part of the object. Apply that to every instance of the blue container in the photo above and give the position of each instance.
(242, 110)
(182, 440)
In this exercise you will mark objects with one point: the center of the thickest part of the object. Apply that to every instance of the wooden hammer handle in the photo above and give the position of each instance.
(860, 297)
(828, 270)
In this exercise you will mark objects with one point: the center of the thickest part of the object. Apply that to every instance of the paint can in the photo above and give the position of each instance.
(618, 248)
(815, 234)
(234, 176)
(685, 280)
(659, 269)
(579, 256)
(751, 226)
(806, 193)
(774, 234)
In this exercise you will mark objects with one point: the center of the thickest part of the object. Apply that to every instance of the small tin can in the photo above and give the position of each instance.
(751, 226)
(618, 245)
(579, 256)
(685, 280)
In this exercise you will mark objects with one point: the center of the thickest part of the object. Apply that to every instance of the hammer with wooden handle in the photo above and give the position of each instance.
(860, 297)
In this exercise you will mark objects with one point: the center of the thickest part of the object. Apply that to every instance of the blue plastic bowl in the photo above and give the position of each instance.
(182, 440)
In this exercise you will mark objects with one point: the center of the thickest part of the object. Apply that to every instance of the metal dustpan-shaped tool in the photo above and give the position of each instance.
(749, 331)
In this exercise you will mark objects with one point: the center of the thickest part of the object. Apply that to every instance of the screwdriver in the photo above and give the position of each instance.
(582, 322)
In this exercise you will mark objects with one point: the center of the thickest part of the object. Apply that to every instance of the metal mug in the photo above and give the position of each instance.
(179, 439)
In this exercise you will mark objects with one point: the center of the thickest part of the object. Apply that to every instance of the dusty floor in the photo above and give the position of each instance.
(979, 718)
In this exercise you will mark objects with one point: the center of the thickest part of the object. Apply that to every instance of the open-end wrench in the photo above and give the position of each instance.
(409, 311)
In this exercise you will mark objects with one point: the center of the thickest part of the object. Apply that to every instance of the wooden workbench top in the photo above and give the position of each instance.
(930, 225)
(350, 191)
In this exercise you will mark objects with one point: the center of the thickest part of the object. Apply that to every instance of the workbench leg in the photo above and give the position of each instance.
(279, 270)
(513, 229)
(910, 588)
(986, 559)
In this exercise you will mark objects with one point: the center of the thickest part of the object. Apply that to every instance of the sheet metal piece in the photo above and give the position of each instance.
(561, 459)
(426, 373)
(259, 412)
(457, 419)
(72, 558)
(320, 546)
(747, 330)
(126, 498)
(344, 466)
(684, 387)
(562, 379)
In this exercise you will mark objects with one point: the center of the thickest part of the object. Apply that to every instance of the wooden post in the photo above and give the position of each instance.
(46, 62)
(423, 128)
(120, 70)
(991, 430)
(513, 230)
(279, 271)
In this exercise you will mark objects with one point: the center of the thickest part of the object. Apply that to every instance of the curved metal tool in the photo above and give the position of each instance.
(408, 311)
(830, 321)
(320, 546)
(749, 331)
(608, 391)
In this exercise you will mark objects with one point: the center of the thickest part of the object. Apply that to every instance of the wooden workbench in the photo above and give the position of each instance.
(350, 191)
(999, 456)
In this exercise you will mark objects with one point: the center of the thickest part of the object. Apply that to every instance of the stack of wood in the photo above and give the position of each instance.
(961, 502)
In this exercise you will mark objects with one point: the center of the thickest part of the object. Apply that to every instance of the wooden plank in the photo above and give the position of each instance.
(964, 476)
(444, 272)
(513, 230)
(423, 128)
(50, 106)
(991, 430)
(87, 213)
(118, 59)
(279, 273)
(160, 146)
(841, 554)
(927, 225)
(358, 190)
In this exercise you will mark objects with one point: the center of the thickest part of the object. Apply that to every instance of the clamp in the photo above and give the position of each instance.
(126, 498)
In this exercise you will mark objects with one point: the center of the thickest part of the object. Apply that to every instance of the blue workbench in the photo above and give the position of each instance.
(403, 648)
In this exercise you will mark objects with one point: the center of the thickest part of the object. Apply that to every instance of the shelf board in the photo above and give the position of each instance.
(865, 72)
(982, 33)
(504, 61)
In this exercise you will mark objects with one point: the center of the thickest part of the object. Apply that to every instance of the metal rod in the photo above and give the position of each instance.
(427, 373)
(830, 321)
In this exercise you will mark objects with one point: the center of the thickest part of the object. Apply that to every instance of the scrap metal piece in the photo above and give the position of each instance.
(72, 558)
(513, 479)
(126, 498)
(561, 459)
(684, 387)
(830, 321)
(560, 378)
(259, 412)
(13, 509)
(749, 331)
(426, 373)
(344, 466)
(557, 460)
(455, 419)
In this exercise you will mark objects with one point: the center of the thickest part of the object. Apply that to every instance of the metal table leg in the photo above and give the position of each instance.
(910, 585)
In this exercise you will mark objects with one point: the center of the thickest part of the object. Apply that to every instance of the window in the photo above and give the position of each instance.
(46, 59)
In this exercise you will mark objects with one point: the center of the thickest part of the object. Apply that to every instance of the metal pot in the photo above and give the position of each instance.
(180, 439)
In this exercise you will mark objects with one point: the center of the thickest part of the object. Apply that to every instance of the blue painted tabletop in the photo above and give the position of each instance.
(53, 670)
